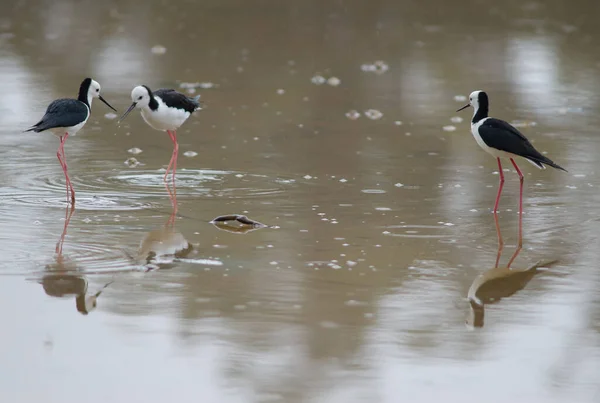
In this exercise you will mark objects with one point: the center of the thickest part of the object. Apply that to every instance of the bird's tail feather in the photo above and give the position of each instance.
(197, 102)
(540, 159)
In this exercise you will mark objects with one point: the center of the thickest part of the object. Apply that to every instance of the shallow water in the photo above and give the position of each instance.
(376, 198)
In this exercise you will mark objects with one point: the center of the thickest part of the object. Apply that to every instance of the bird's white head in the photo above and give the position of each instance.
(479, 101)
(89, 90)
(94, 89)
(141, 96)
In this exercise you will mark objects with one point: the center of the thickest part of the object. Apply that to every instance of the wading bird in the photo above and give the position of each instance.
(500, 139)
(65, 117)
(165, 110)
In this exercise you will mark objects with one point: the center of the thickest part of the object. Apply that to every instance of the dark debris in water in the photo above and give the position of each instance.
(227, 223)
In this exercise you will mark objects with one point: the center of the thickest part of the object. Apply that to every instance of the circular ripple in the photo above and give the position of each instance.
(136, 189)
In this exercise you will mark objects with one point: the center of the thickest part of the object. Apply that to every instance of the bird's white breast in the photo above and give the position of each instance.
(164, 117)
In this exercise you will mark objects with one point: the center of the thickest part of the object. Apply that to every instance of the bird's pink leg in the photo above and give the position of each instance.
(174, 158)
(62, 164)
(520, 202)
(500, 186)
(65, 169)
(173, 165)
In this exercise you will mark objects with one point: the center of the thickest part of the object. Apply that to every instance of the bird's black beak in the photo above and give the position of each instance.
(464, 107)
(127, 111)
(107, 104)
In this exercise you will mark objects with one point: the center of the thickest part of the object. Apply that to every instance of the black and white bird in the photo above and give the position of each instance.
(500, 139)
(65, 117)
(165, 110)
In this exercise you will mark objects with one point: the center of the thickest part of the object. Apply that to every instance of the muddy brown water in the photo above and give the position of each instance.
(379, 224)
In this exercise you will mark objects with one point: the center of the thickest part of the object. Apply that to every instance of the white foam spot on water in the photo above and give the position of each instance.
(190, 153)
(110, 115)
(353, 115)
(399, 185)
(460, 98)
(318, 80)
(373, 191)
(456, 119)
(158, 50)
(307, 177)
(373, 114)
(134, 150)
(398, 123)
(334, 81)
(326, 324)
(280, 91)
(449, 128)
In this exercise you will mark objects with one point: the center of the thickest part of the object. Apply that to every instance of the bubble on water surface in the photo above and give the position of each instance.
(373, 114)
(132, 162)
(334, 81)
(353, 115)
(190, 154)
(398, 123)
(134, 150)
(110, 115)
(399, 185)
(378, 67)
(460, 98)
(318, 80)
(456, 119)
(280, 91)
(158, 50)
(449, 128)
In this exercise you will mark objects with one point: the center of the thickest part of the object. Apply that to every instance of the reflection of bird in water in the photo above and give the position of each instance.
(500, 282)
(160, 248)
(63, 280)
(497, 283)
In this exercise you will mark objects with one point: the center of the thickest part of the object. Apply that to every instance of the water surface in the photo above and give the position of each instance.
(332, 123)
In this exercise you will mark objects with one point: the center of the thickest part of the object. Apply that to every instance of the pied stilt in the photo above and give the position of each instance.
(500, 139)
(65, 117)
(165, 110)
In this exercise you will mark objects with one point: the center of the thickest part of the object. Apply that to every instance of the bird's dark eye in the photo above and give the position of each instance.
(140, 97)
(97, 89)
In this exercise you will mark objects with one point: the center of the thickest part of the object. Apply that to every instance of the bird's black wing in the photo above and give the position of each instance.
(175, 99)
(502, 136)
(62, 113)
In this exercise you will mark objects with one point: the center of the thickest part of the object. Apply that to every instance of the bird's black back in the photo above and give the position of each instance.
(502, 136)
(174, 99)
(64, 112)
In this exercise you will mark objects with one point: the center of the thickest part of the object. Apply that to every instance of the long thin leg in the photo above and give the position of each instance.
(500, 186)
(173, 165)
(174, 158)
(62, 164)
(521, 179)
(500, 241)
(63, 160)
